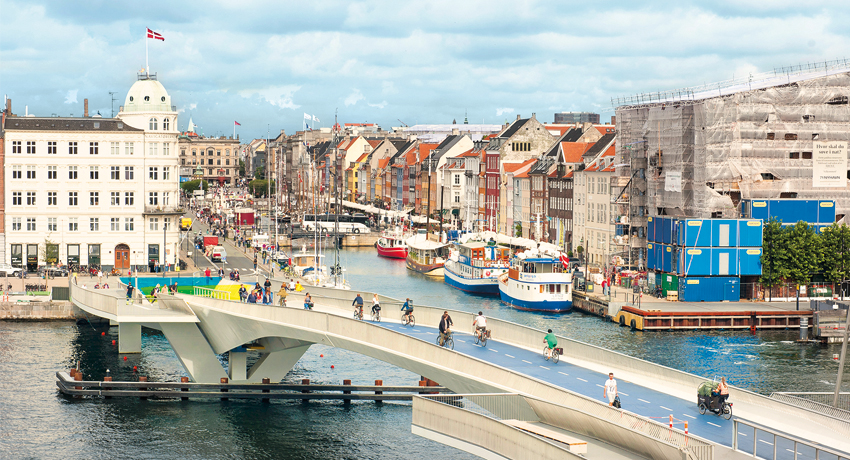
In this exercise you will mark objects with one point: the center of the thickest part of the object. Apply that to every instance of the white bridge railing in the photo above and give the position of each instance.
(782, 442)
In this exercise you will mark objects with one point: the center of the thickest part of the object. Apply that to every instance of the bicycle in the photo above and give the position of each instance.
(482, 337)
(376, 315)
(448, 343)
(554, 354)
(358, 313)
(408, 320)
(711, 404)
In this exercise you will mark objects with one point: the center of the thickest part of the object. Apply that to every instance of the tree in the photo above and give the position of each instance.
(835, 255)
(580, 251)
(49, 251)
(242, 168)
(802, 255)
(259, 187)
(260, 172)
(773, 271)
(192, 185)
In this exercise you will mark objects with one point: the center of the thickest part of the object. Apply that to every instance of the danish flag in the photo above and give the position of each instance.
(155, 35)
(565, 261)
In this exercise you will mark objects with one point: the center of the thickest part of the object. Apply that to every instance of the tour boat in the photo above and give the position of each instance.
(392, 244)
(476, 266)
(425, 256)
(537, 282)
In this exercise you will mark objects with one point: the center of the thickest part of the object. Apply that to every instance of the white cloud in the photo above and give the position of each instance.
(502, 111)
(379, 105)
(354, 97)
(280, 96)
(388, 88)
(71, 96)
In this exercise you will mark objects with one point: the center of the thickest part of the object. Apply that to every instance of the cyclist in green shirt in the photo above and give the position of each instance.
(551, 342)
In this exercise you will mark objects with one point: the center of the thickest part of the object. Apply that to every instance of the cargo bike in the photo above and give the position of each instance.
(708, 400)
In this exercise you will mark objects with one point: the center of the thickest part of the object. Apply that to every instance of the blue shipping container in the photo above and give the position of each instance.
(758, 209)
(650, 256)
(667, 259)
(826, 211)
(724, 233)
(750, 232)
(694, 232)
(792, 211)
(724, 261)
(710, 289)
(694, 261)
(749, 261)
(650, 229)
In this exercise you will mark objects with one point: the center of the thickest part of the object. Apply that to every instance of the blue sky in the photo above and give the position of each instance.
(265, 63)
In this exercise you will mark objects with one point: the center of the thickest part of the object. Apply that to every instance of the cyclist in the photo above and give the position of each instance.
(358, 303)
(376, 304)
(480, 324)
(281, 295)
(445, 327)
(551, 342)
(407, 308)
(308, 301)
(722, 392)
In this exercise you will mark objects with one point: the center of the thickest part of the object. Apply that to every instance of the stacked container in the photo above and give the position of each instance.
(790, 212)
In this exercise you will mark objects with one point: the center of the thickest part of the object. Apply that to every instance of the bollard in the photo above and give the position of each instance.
(422, 384)
(686, 427)
(379, 383)
(671, 421)
(224, 390)
(266, 381)
(105, 388)
(72, 372)
(186, 388)
(346, 392)
(804, 329)
(78, 377)
(305, 382)
(142, 378)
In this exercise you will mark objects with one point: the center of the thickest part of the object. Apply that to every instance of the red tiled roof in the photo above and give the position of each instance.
(521, 175)
(373, 142)
(382, 163)
(605, 129)
(363, 157)
(610, 152)
(574, 150)
(610, 168)
(592, 168)
(559, 130)
(424, 149)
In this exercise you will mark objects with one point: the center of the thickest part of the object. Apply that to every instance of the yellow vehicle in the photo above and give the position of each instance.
(185, 224)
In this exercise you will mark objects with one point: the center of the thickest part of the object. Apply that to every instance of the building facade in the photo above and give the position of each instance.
(217, 157)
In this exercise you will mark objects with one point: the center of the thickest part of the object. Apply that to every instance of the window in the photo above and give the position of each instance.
(52, 226)
(94, 224)
(30, 224)
(94, 198)
(128, 224)
(73, 224)
(72, 198)
(30, 171)
(115, 172)
(153, 199)
(195, 153)
(165, 124)
(16, 171)
(166, 223)
(72, 148)
(128, 173)
(152, 148)
(114, 224)
(93, 148)
(16, 199)
(153, 224)
(51, 148)
(457, 179)
(30, 147)
(153, 173)
(129, 198)
(114, 198)
(227, 161)
(16, 149)
(72, 172)
(152, 124)
(227, 152)
(218, 163)
(166, 198)
(129, 147)
(52, 172)
(16, 224)
(209, 162)
(457, 197)
(51, 199)
(166, 148)
(30, 198)
(114, 148)
(94, 173)
(166, 173)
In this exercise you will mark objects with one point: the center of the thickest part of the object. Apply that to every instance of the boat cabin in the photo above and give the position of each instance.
(480, 254)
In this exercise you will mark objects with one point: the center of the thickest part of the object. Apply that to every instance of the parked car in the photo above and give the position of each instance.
(53, 271)
(8, 270)
(218, 254)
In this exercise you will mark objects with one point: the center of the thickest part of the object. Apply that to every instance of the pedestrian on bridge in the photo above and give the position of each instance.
(610, 389)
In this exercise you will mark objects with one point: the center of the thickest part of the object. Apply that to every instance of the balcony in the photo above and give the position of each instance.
(164, 210)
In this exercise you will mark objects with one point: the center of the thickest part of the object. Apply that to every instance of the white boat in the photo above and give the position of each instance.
(305, 262)
(475, 266)
(426, 256)
(538, 282)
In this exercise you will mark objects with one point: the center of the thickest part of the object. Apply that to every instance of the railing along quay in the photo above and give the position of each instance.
(69, 385)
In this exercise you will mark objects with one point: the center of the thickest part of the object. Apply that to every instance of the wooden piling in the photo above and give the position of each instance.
(379, 383)
(266, 381)
(105, 388)
(305, 382)
(224, 380)
(143, 378)
(186, 388)
(346, 392)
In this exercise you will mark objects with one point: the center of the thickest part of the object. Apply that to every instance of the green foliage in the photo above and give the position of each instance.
(835, 253)
(579, 249)
(192, 185)
(260, 172)
(259, 187)
(569, 253)
(242, 168)
(802, 252)
(518, 230)
(772, 269)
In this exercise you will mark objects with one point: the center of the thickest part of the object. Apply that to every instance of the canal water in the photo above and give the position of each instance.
(39, 423)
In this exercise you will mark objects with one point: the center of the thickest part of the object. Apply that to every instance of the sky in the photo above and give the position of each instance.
(267, 63)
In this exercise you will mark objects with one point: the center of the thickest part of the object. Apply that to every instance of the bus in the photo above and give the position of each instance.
(327, 222)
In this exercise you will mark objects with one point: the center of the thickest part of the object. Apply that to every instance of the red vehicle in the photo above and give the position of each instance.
(210, 240)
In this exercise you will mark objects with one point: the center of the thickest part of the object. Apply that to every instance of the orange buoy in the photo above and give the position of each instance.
(321, 356)
(135, 368)
(113, 342)
(125, 358)
(332, 366)
(752, 328)
(102, 334)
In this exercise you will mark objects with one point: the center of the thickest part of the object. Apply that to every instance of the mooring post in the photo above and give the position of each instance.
(379, 383)
(78, 377)
(346, 392)
(305, 382)
(266, 381)
(186, 388)
(105, 388)
(72, 372)
(422, 384)
(224, 381)
(142, 378)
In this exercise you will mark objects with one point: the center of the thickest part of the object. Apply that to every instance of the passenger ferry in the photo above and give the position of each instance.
(537, 282)
(305, 262)
(426, 256)
(392, 244)
(475, 267)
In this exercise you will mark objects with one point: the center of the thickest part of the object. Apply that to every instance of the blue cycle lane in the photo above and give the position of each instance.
(635, 398)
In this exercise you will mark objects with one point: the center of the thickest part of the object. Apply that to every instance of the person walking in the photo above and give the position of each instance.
(129, 290)
(99, 277)
(610, 389)
(243, 294)
(207, 274)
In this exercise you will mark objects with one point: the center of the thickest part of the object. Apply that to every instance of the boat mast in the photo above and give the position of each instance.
(338, 180)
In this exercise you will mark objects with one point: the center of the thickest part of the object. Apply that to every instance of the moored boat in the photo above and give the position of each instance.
(392, 244)
(425, 256)
(537, 282)
(476, 267)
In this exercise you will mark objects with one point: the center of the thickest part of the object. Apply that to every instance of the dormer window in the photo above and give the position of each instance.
(162, 98)
(147, 98)
(152, 123)
(131, 98)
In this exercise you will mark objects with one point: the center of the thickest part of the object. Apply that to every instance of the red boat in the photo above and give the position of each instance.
(392, 245)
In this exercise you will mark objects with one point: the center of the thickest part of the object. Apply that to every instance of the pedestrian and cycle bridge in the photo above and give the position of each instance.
(514, 403)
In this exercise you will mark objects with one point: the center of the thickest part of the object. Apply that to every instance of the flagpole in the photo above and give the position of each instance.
(147, 69)
(234, 130)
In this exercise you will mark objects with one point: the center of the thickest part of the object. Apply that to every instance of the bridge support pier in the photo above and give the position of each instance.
(194, 352)
(129, 338)
(278, 362)
(237, 363)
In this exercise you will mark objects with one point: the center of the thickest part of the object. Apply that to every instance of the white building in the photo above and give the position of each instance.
(460, 193)
(94, 191)
(594, 226)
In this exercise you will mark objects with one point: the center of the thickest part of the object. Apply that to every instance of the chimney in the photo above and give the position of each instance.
(8, 106)
(518, 117)
(455, 131)
(613, 120)
(534, 115)
(85, 108)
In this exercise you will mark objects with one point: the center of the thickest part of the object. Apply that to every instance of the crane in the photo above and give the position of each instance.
(405, 124)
